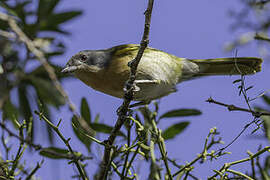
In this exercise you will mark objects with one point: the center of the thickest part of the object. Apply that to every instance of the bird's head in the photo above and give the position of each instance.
(88, 61)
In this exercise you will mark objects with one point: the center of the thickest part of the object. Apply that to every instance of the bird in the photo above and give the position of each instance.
(158, 72)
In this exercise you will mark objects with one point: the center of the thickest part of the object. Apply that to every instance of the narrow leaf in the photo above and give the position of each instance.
(103, 128)
(54, 153)
(266, 99)
(24, 102)
(60, 18)
(85, 111)
(10, 112)
(174, 130)
(79, 132)
(47, 91)
(96, 120)
(266, 125)
(181, 113)
(25, 107)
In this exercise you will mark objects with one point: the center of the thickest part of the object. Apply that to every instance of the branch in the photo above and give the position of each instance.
(202, 156)
(32, 48)
(122, 112)
(41, 57)
(261, 37)
(226, 166)
(162, 148)
(232, 107)
(36, 146)
(66, 141)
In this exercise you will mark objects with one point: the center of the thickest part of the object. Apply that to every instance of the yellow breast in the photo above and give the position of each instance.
(110, 80)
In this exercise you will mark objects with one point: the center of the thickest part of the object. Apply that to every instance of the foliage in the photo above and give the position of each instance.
(24, 89)
(21, 86)
(256, 28)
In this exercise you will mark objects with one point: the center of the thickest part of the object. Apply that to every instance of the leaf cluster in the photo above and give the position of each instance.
(24, 83)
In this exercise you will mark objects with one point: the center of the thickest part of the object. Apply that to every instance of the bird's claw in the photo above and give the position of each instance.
(134, 86)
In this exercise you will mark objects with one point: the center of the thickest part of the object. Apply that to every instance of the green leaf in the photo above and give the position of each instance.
(146, 114)
(181, 113)
(43, 107)
(103, 128)
(85, 111)
(60, 18)
(54, 153)
(47, 91)
(96, 120)
(266, 99)
(24, 102)
(52, 22)
(10, 112)
(174, 130)
(266, 125)
(19, 9)
(25, 108)
(80, 133)
(46, 7)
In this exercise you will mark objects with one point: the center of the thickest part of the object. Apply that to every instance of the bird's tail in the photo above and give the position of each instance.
(228, 66)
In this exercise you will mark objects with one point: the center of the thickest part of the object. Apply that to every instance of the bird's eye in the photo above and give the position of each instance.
(83, 57)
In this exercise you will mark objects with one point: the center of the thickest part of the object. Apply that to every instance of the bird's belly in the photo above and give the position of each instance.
(147, 92)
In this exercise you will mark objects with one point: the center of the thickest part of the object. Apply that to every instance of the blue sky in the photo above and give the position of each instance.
(187, 28)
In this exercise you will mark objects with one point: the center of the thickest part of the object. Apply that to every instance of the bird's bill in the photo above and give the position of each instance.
(70, 69)
(83, 67)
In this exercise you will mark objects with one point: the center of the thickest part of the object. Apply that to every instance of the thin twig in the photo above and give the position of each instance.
(41, 57)
(207, 145)
(7, 34)
(66, 141)
(162, 148)
(19, 154)
(232, 107)
(39, 54)
(240, 174)
(226, 166)
(122, 113)
(36, 146)
(127, 154)
(132, 159)
(261, 37)
(34, 170)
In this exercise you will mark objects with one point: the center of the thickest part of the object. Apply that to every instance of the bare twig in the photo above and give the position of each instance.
(122, 113)
(261, 37)
(239, 174)
(202, 156)
(162, 148)
(39, 54)
(256, 114)
(226, 166)
(38, 166)
(7, 34)
(41, 57)
(232, 107)
(19, 154)
(27, 141)
(66, 141)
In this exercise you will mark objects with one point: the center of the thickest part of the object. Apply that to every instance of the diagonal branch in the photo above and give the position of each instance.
(41, 57)
(122, 112)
